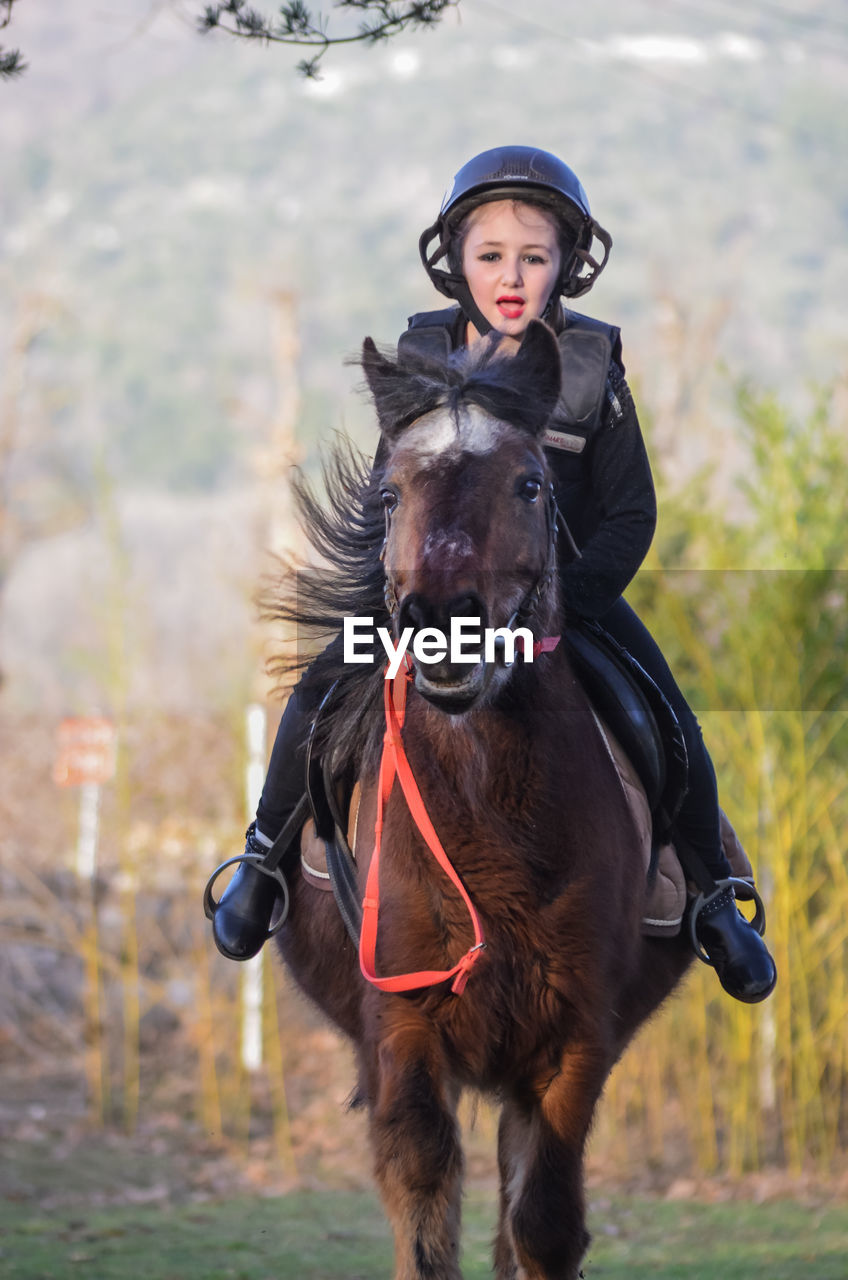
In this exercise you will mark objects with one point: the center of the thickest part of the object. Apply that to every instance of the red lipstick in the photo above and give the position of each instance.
(510, 306)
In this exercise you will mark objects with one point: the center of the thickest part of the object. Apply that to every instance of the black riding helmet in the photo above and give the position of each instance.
(516, 173)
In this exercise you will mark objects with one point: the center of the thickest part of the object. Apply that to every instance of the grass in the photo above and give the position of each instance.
(343, 1236)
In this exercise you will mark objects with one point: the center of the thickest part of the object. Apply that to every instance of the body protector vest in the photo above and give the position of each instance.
(587, 349)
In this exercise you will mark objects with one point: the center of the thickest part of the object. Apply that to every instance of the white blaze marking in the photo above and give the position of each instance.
(450, 546)
(442, 432)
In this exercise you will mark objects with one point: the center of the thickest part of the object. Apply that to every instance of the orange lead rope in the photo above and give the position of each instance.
(393, 763)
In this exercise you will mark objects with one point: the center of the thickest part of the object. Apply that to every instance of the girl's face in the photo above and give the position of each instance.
(511, 260)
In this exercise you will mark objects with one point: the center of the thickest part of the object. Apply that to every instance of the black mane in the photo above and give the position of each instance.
(346, 532)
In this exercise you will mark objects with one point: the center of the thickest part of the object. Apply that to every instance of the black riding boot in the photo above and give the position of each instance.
(737, 952)
(241, 920)
(243, 916)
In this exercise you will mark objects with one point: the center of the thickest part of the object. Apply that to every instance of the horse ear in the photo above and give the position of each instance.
(374, 365)
(381, 375)
(402, 391)
(537, 366)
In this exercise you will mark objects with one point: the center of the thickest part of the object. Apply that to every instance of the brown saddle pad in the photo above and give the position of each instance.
(313, 854)
(668, 894)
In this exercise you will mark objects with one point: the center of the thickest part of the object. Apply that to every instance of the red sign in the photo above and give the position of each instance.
(86, 751)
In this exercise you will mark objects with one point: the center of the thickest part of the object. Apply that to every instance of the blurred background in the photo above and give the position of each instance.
(193, 240)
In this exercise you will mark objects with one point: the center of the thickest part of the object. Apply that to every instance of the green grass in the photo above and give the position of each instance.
(343, 1236)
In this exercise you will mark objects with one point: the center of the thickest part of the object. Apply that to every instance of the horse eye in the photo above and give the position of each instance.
(529, 490)
(389, 499)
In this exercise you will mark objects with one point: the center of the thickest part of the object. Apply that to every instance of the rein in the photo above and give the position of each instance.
(394, 763)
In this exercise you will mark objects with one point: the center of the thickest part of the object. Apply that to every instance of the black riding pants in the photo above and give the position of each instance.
(285, 780)
(698, 819)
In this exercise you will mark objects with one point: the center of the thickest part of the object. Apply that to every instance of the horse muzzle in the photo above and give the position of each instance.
(448, 649)
(453, 695)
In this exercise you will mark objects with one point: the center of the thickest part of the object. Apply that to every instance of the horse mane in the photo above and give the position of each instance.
(346, 530)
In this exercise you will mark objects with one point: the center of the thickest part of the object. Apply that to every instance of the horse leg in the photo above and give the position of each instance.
(542, 1231)
(513, 1134)
(418, 1158)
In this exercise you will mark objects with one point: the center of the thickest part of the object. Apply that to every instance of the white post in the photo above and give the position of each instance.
(768, 1021)
(86, 869)
(89, 814)
(252, 975)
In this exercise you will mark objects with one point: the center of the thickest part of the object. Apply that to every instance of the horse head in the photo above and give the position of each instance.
(470, 516)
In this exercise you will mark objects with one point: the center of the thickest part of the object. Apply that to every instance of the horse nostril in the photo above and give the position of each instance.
(415, 612)
(418, 612)
(468, 605)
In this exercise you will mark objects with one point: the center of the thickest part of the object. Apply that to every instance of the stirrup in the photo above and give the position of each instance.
(751, 894)
(210, 906)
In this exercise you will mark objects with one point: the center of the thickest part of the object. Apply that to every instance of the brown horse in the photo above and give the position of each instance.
(457, 520)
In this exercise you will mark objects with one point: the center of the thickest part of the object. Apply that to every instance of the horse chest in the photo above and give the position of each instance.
(512, 1022)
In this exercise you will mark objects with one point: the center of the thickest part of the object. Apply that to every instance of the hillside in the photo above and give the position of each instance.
(159, 186)
(168, 198)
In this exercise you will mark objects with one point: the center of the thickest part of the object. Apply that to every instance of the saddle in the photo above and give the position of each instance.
(645, 743)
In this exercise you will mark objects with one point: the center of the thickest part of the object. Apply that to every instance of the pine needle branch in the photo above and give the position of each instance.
(11, 60)
(297, 24)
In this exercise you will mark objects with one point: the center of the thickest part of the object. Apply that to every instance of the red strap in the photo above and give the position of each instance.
(394, 762)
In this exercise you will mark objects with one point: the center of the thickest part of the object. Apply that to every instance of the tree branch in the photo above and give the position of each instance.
(298, 25)
(11, 60)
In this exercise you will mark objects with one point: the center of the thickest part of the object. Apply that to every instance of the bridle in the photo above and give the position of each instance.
(527, 608)
(555, 523)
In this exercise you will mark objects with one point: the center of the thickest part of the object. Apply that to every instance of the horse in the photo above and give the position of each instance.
(537, 920)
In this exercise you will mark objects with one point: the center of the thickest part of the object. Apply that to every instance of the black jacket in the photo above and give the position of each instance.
(595, 449)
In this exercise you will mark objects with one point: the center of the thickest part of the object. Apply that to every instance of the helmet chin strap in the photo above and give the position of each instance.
(464, 297)
(448, 282)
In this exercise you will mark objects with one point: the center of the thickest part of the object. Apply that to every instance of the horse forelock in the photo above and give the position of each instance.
(482, 378)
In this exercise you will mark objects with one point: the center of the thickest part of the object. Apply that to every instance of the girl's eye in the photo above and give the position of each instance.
(389, 499)
(529, 489)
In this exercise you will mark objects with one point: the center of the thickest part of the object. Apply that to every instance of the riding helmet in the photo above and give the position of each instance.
(518, 173)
